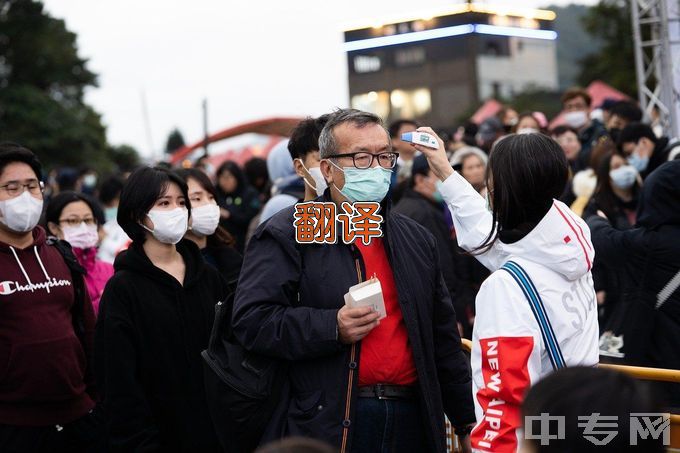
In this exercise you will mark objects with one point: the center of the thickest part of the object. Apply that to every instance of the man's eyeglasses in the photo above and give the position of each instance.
(365, 160)
(75, 221)
(15, 188)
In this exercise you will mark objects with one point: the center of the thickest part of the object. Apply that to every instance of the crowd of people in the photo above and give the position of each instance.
(165, 309)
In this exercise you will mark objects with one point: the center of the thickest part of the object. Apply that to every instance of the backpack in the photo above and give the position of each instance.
(242, 388)
(80, 292)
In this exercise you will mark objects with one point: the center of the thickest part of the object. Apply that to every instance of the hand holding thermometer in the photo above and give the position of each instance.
(420, 138)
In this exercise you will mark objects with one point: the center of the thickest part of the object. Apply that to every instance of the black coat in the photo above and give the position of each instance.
(149, 336)
(286, 306)
(431, 216)
(647, 258)
(242, 206)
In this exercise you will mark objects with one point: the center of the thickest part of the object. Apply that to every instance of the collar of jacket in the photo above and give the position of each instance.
(134, 259)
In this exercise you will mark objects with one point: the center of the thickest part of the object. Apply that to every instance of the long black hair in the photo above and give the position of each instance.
(524, 174)
(604, 194)
(221, 237)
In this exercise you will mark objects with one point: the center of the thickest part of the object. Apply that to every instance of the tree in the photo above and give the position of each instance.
(42, 85)
(609, 22)
(175, 141)
(124, 156)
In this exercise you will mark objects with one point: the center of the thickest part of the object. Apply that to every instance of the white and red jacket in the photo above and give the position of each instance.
(508, 351)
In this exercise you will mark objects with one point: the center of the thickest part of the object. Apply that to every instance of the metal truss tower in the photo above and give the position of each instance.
(656, 33)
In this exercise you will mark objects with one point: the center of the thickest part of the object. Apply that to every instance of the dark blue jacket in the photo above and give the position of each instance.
(286, 307)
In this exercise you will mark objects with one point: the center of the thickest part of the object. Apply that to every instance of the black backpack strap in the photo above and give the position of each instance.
(77, 277)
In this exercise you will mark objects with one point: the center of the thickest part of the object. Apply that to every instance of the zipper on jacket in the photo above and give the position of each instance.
(350, 381)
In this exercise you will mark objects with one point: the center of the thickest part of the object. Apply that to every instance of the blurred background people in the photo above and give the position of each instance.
(508, 118)
(238, 201)
(642, 329)
(489, 131)
(77, 218)
(576, 103)
(257, 174)
(287, 186)
(643, 149)
(114, 238)
(406, 152)
(527, 124)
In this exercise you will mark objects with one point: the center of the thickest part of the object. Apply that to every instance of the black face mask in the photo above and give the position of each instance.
(614, 133)
(507, 128)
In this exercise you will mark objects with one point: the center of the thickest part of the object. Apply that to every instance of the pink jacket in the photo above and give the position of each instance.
(98, 273)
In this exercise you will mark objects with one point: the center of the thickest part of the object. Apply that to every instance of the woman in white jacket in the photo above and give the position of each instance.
(537, 311)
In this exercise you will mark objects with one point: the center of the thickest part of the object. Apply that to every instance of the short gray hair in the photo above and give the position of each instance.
(328, 146)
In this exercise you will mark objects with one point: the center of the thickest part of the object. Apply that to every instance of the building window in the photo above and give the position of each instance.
(366, 63)
(496, 89)
(411, 56)
(377, 102)
(410, 103)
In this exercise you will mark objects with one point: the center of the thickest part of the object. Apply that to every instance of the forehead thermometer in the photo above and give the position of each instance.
(420, 138)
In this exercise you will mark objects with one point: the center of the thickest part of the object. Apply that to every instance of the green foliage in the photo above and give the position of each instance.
(614, 63)
(175, 141)
(572, 42)
(42, 85)
(537, 100)
(125, 157)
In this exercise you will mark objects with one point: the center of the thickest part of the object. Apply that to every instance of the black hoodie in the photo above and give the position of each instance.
(149, 336)
(648, 261)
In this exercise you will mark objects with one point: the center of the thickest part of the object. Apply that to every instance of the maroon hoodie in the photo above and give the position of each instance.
(42, 361)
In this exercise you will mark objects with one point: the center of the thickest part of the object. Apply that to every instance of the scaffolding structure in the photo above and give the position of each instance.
(656, 34)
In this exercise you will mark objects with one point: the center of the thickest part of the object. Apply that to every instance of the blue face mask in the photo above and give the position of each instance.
(370, 184)
(623, 177)
(111, 213)
(640, 163)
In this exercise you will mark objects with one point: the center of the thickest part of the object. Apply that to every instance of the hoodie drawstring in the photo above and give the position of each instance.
(21, 266)
(35, 250)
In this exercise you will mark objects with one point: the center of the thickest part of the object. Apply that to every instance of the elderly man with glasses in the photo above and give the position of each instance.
(354, 381)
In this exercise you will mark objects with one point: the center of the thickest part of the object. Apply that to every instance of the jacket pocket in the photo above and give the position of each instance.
(45, 371)
(306, 405)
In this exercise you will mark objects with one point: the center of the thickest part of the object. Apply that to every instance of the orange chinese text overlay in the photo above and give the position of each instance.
(317, 222)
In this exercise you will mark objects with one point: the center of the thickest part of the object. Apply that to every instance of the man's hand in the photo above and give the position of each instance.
(439, 163)
(355, 323)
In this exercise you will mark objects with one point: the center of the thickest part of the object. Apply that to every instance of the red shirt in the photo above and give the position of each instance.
(386, 355)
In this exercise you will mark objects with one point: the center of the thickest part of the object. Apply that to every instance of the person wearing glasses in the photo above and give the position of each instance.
(46, 326)
(359, 383)
(76, 218)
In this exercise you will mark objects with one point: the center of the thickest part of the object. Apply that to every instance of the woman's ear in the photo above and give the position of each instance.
(54, 229)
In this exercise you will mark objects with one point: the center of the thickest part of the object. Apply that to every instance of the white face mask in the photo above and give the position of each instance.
(576, 119)
(320, 184)
(81, 236)
(527, 130)
(168, 226)
(204, 219)
(21, 214)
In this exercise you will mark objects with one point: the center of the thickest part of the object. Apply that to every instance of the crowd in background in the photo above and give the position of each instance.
(612, 154)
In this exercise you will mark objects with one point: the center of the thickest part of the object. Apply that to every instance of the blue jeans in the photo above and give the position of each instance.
(388, 426)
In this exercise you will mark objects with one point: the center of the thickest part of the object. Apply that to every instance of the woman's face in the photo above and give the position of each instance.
(73, 215)
(570, 145)
(172, 198)
(473, 170)
(198, 196)
(528, 122)
(227, 182)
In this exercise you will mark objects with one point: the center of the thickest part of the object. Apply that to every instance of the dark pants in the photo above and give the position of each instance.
(388, 426)
(84, 435)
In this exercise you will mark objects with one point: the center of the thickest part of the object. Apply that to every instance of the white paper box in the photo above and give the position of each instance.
(368, 293)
